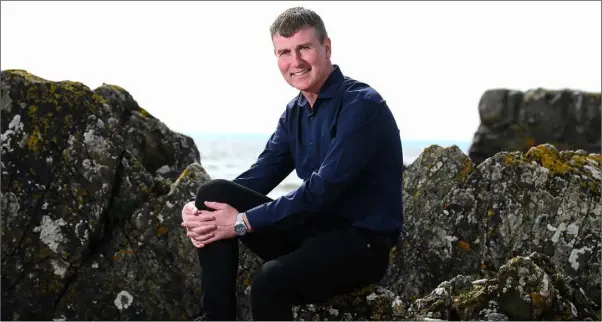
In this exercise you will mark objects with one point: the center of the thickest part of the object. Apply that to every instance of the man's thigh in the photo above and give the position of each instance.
(327, 265)
(278, 240)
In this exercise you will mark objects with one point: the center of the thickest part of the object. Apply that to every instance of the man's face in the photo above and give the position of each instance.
(302, 60)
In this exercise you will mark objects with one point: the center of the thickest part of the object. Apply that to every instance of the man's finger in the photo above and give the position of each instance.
(207, 241)
(199, 237)
(204, 229)
(216, 205)
(196, 223)
(200, 218)
(204, 237)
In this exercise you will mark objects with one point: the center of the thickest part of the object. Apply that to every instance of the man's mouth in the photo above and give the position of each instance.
(301, 72)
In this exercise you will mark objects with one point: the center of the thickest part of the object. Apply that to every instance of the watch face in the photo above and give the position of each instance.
(240, 229)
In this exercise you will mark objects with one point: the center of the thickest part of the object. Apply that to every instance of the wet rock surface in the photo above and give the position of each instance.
(516, 121)
(93, 186)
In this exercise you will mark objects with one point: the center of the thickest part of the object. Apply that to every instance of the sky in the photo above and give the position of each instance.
(209, 67)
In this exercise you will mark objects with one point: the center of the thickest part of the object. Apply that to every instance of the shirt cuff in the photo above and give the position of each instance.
(257, 217)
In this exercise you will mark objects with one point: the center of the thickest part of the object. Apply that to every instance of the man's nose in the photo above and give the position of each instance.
(297, 59)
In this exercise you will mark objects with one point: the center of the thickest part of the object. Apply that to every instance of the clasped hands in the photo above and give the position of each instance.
(207, 226)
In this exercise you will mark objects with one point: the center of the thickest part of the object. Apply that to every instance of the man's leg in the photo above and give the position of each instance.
(326, 265)
(219, 260)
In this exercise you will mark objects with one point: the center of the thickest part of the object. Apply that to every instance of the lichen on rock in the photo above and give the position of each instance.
(525, 288)
(77, 165)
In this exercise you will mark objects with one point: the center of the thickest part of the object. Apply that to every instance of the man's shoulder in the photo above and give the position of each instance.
(356, 91)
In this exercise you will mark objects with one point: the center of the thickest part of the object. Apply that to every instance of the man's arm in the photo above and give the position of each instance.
(356, 141)
(273, 165)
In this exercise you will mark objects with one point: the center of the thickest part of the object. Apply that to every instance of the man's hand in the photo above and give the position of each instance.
(199, 225)
(210, 226)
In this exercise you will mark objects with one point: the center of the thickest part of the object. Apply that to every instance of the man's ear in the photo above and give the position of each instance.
(328, 47)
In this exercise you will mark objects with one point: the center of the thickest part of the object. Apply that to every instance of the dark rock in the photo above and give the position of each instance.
(90, 227)
(516, 121)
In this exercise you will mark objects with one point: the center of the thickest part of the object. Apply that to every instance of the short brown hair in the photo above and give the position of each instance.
(296, 18)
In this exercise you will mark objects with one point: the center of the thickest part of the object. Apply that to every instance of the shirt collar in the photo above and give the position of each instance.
(329, 88)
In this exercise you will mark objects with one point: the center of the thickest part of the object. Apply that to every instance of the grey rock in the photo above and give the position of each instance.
(516, 121)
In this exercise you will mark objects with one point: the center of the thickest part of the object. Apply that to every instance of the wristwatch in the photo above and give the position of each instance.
(239, 227)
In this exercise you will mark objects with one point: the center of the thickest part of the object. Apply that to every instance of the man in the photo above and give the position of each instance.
(334, 233)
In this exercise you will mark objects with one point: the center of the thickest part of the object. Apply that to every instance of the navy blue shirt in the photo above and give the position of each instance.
(347, 150)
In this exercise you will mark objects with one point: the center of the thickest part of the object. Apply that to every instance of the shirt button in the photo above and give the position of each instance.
(311, 142)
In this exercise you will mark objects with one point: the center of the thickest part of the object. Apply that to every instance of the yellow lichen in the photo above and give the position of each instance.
(33, 110)
(24, 74)
(464, 245)
(99, 99)
(182, 175)
(161, 230)
(548, 158)
(144, 112)
(68, 122)
(515, 261)
(538, 299)
(34, 138)
(471, 298)
(466, 169)
(556, 162)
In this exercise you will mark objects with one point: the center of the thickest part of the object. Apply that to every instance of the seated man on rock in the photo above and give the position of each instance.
(334, 233)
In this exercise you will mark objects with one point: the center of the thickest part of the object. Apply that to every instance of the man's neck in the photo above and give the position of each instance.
(312, 95)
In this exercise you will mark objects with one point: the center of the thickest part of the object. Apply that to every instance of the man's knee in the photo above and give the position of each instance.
(213, 190)
(214, 184)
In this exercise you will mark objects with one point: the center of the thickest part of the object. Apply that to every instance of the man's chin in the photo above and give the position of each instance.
(303, 87)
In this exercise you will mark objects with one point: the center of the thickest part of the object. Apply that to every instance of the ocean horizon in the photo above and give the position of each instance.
(226, 155)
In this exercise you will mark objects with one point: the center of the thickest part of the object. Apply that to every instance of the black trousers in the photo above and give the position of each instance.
(306, 260)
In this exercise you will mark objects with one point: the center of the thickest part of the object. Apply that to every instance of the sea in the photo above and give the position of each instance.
(225, 156)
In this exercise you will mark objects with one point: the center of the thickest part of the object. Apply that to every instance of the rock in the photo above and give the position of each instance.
(89, 230)
(525, 288)
(93, 186)
(516, 121)
(467, 220)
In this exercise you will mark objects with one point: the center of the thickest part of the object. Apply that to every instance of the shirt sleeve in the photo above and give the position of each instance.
(355, 144)
(273, 165)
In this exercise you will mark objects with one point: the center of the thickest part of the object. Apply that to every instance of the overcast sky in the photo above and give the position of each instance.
(209, 66)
